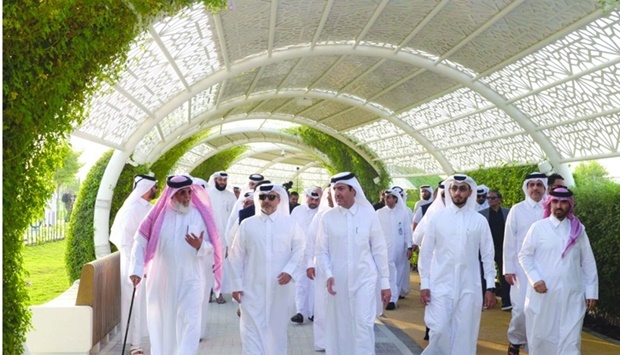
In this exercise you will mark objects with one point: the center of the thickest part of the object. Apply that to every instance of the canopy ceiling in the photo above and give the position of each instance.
(425, 87)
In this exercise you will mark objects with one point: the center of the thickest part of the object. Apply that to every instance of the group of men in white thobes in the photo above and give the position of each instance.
(547, 260)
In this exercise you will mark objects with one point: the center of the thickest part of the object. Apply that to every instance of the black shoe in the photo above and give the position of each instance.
(426, 334)
(298, 318)
(513, 349)
(311, 319)
(401, 297)
(390, 306)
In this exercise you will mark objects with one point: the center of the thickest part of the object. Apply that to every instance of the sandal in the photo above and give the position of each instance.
(220, 300)
(136, 351)
(513, 349)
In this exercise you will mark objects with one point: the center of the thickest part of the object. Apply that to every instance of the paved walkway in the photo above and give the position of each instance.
(223, 327)
(398, 332)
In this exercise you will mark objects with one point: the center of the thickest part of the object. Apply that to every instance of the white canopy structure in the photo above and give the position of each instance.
(427, 87)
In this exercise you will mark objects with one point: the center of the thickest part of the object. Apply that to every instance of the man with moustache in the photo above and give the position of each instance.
(562, 280)
(450, 271)
(171, 249)
(265, 257)
(519, 220)
(352, 253)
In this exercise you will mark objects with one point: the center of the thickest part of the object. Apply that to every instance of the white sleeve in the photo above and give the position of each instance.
(426, 256)
(527, 254)
(236, 257)
(510, 243)
(322, 250)
(138, 251)
(588, 267)
(379, 251)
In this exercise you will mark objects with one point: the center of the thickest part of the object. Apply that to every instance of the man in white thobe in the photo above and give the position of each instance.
(519, 220)
(222, 202)
(481, 198)
(562, 280)
(315, 274)
(352, 252)
(172, 245)
(265, 257)
(233, 219)
(396, 227)
(304, 287)
(126, 223)
(404, 268)
(426, 197)
(450, 271)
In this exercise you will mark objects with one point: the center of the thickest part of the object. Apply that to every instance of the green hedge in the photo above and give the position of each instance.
(56, 53)
(344, 158)
(80, 248)
(596, 205)
(164, 164)
(507, 179)
(218, 162)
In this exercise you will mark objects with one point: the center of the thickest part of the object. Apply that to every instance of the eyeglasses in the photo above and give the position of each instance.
(461, 188)
(492, 197)
(269, 197)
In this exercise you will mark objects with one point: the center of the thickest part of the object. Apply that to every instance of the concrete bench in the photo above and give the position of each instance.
(82, 318)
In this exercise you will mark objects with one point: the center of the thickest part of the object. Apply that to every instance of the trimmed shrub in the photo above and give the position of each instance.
(219, 161)
(507, 179)
(164, 164)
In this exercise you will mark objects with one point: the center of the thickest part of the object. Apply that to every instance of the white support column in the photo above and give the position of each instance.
(103, 203)
(566, 173)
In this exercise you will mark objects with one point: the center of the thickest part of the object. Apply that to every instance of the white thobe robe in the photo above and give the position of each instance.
(304, 287)
(450, 269)
(222, 203)
(396, 227)
(518, 222)
(175, 283)
(266, 246)
(554, 319)
(128, 222)
(351, 249)
(320, 293)
(403, 267)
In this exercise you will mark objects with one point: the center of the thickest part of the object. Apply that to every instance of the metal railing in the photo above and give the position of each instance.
(50, 227)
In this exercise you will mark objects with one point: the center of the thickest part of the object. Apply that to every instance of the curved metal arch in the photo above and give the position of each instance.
(284, 139)
(277, 161)
(279, 55)
(304, 168)
(186, 130)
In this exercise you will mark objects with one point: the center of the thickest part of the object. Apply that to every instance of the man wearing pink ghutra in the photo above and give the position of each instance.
(173, 248)
(562, 279)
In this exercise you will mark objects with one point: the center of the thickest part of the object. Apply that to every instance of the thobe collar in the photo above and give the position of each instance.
(455, 209)
(272, 217)
(556, 222)
(353, 209)
(534, 204)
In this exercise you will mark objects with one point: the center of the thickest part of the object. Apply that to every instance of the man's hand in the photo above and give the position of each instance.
(284, 278)
(590, 303)
(425, 296)
(409, 253)
(193, 240)
(386, 295)
(310, 273)
(135, 280)
(236, 295)
(540, 287)
(510, 278)
(489, 300)
(330, 286)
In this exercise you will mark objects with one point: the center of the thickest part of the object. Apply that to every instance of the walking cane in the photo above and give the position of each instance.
(133, 295)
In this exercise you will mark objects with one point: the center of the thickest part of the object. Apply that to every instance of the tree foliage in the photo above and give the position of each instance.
(65, 175)
(218, 162)
(55, 55)
(590, 172)
(344, 158)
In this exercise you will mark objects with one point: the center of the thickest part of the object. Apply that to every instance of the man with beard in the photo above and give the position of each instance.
(426, 197)
(222, 202)
(557, 258)
(481, 198)
(172, 245)
(304, 287)
(352, 253)
(450, 271)
(125, 225)
(519, 220)
(265, 257)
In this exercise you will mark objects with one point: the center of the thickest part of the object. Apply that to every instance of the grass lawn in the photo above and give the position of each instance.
(46, 265)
